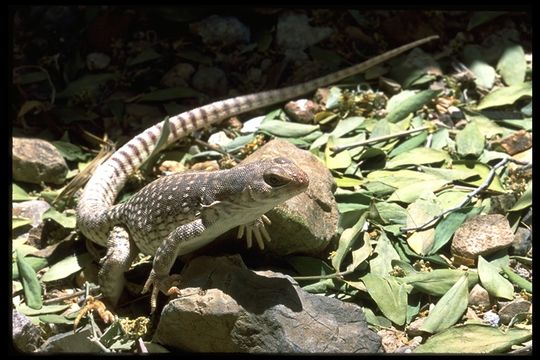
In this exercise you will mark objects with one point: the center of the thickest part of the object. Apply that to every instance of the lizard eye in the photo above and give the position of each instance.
(275, 180)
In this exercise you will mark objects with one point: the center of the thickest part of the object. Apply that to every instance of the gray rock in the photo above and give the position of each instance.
(294, 34)
(514, 307)
(97, 61)
(31, 209)
(144, 114)
(221, 31)
(219, 138)
(26, 336)
(70, 342)
(479, 296)
(522, 241)
(491, 318)
(211, 81)
(307, 223)
(414, 327)
(482, 235)
(178, 75)
(252, 125)
(500, 204)
(36, 161)
(225, 307)
(302, 111)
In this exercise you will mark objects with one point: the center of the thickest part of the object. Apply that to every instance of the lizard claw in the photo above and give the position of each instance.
(256, 228)
(167, 284)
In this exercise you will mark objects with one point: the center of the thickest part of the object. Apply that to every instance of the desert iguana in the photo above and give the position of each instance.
(179, 213)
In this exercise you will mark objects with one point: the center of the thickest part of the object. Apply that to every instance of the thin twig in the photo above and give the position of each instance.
(337, 149)
(468, 197)
(69, 296)
(337, 275)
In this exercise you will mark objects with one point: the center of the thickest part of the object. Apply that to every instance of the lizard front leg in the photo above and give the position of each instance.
(121, 252)
(256, 228)
(183, 239)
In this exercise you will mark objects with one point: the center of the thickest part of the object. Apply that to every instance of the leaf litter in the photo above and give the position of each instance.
(409, 161)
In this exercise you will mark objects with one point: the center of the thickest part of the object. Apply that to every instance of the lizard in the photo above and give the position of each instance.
(179, 213)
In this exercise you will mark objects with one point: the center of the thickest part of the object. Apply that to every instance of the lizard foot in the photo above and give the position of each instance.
(258, 228)
(167, 284)
(91, 305)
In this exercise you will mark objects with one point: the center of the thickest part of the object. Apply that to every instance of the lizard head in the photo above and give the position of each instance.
(269, 182)
(272, 181)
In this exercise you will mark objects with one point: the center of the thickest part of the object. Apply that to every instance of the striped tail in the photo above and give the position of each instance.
(109, 178)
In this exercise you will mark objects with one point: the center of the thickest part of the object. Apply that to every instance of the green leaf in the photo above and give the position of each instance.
(347, 125)
(18, 194)
(418, 156)
(439, 281)
(67, 267)
(286, 129)
(488, 127)
(517, 280)
(449, 174)
(419, 212)
(150, 160)
(335, 97)
(86, 84)
(390, 296)
(17, 222)
(482, 170)
(411, 104)
(147, 54)
(347, 240)
(398, 178)
(46, 309)
(30, 283)
(31, 77)
(409, 144)
(341, 160)
(69, 115)
(347, 181)
(320, 287)
(482, 17)
(506, 96)
(525, 200)
(68, 221)
(36, 263)
(174, 93)
(449, 308)
(470, 141)
(238, 143)
(409, 193)
(327, 57)
(495, 284)
(474, 56)
(70, 151)
(195, 56)
(343, 127)
(55, 319)
(309, 266)
(512, 65)
(474, 338)
(382, 264)
(447, 227)
(360, 254)
(391, 213)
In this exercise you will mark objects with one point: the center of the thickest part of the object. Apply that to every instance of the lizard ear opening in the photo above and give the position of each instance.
(275, 180)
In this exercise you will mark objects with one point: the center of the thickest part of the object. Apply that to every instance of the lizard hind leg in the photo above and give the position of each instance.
(121, 252)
